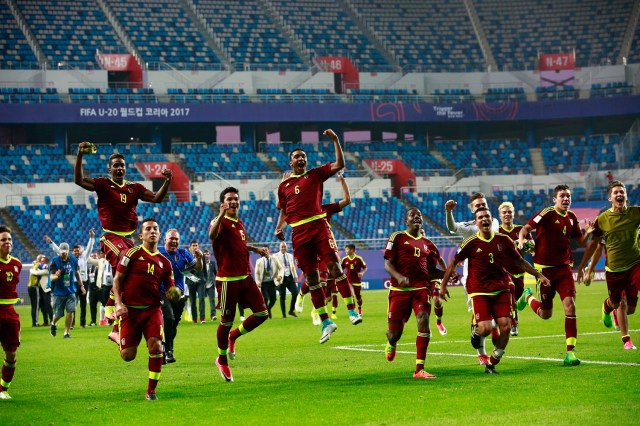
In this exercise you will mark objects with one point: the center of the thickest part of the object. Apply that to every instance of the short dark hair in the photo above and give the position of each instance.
(294, 150)
(613, 184)
(114, 156)
(227, 190)
(148, 219)
(409, 209)
(475, 196)
(77, 246)
(481, 209)
(193, 242)
(5, 228)
(351, 246)
(559, 188)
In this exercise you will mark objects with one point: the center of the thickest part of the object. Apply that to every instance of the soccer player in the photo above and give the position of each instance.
(10, 268)
(435, 278)
(620, 315)
(507, 227)
(300, 204)
(136, 286)
(117, 202)
(182, 262)
(619, 227)
(555, 227)
(466, 230)
(234, 282)
(355, 267)
(488, 282)
(405, 260)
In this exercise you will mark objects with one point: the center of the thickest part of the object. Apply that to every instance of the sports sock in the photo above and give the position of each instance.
(496, 356)
(606, 307)
(222, 335)
(155, 367)
(626, 338)
(535, 305)
(346, 291)
(422, 343)
(357, 290)
(570, 331)
(249, 324)
(438, 310)
(8, 370)
(318, 300)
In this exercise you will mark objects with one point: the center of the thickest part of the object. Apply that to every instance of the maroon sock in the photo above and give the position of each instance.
(346, 291)
(570, 330)
(606, 306)
(223, 340)
(8, 370)
(155, 367)
(438, 310)
(422, 343)
(535, 305)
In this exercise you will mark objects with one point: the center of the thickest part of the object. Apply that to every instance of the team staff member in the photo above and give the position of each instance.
(64, 278)
(10, 268)
(141, 272)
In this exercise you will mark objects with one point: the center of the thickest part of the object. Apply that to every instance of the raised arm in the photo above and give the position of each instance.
(522, 236)
(337, 165)
(346, 194)
(54, 246)
(214, 226)
(584, 238)
(87, 252)
(157, 197)
(451, 222)
(79, 178)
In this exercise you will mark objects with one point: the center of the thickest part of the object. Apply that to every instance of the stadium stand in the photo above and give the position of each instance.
(569, 154)
(70, 30)
(248, 34)
(14, 49)
(35, 163)
(432, 36)
(500, 156)
(207, 95)
(523, 29)
(29, 95)
(228, 159)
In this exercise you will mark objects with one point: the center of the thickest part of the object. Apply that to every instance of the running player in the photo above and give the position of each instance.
(355, 267)
(555, 227)
(234, 281)
(140, 273)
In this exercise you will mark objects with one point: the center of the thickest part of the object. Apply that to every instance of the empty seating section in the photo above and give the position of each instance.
(247, 33)
(123, 95)
(527, 202)
(634, 52)
(431, 204)
(238, 159)
(96, 165)
(382, 95)
(556, 92)
(163, 32)
(328, 30)
(413, 154)
(28, 95)
(572, 153)
(499, 156)
(35, 164)
(505, 94)
(453, 95)
(434, 35)
(14, 48)
(610, 89)
(207, 95)
(517, 31)
(70, 30)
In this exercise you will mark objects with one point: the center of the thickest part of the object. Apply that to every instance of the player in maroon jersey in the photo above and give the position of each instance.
(507, 227)
(136, 287)
(555, 227)
(234, 282)
(355, 267)
(10, 268)
(300, 204)
(406, 261)
(117, 202)
(488, 282)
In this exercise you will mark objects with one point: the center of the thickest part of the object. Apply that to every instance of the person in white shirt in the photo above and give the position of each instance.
(82, 255)
(289, 281)
(269, 273)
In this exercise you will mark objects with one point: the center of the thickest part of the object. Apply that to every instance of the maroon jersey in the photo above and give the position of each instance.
(300, 196)
(144, 273)
(486, 260)
(553, 237)
(230, 250)
(409, 257)
(352, 266)
(9, 277)
(434, 256)
(514, 234)
(117, 205)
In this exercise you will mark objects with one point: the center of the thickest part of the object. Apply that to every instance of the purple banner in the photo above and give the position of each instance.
(334, 112)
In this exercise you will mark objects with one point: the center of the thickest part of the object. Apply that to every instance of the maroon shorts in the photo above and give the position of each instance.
(112, 246)
(311, 242)
(244, 292)
(488, 307)
(626, 282)
(402, 303)
(331, 287)
(9, 328)
(562, 282)
(139, 322)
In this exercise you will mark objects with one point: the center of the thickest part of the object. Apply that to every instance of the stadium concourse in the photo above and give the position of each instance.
(438, 101)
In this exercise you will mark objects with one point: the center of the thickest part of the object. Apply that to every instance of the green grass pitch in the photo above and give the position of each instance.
(283, 376)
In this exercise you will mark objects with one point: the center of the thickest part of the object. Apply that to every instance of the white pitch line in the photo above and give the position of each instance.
(527, 358)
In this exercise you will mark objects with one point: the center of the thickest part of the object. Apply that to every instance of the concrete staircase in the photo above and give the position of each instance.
(537, 162)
